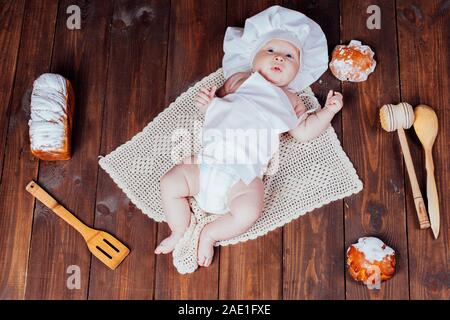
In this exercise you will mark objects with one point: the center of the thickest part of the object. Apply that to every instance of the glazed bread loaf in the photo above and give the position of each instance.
(371, 261)
(353, 62)
(52, 106)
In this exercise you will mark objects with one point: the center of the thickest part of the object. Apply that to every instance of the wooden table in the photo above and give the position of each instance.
(128, 61)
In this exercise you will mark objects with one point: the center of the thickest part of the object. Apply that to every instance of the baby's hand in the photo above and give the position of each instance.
(299, 107)
(334, 101)
(204, 97)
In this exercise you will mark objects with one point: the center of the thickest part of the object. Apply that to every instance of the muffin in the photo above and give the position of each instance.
(353, 62)
(371, 261)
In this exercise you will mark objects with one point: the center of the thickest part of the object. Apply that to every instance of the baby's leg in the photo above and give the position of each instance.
(176, 185)
(245, 203)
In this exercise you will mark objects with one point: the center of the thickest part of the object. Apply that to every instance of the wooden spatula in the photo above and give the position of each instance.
(104, 246)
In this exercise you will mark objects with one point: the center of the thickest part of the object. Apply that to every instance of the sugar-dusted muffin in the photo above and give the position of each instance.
(353, 62)
(52, 106)
(371, 261)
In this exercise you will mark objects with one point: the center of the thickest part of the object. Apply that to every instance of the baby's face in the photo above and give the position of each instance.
(278, 61)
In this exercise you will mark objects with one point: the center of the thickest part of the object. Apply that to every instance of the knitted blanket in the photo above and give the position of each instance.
(299, 178)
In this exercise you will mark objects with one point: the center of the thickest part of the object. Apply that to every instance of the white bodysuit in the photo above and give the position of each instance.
(239, 137)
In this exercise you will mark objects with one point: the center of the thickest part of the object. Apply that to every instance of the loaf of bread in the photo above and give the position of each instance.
(52, 106)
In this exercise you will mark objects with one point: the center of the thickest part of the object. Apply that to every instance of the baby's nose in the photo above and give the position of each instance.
(279, 58)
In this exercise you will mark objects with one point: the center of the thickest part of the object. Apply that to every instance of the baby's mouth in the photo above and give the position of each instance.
(276, 69)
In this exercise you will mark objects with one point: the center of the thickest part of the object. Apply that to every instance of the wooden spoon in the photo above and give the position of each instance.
(426, 127)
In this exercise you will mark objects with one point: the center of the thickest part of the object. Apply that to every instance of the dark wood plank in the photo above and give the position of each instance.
(379, 210)
(135, 94)
(11, 15)
(195, 50)
(314, 244)
(235, 261)
(19, 167)
(424, 46)
(80, 56)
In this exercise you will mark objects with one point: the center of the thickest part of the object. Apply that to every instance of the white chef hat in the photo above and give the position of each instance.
(241, 44)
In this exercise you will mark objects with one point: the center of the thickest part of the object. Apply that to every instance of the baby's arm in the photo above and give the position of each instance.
(319, 121)
(205, 96)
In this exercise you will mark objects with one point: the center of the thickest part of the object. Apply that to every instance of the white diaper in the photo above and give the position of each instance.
(215, 183)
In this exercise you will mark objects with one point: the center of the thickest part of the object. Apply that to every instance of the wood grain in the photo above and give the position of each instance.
(134, 95)
(195, 50)
(78, 57)
(11, 15)
(379, 210)
(128, 62)
(424, 56)
(313, 247)
(19, 167)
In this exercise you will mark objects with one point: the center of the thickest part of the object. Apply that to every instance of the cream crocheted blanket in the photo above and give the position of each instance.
(309, 175)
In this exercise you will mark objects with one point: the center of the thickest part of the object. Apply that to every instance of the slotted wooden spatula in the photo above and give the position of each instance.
(104, 246)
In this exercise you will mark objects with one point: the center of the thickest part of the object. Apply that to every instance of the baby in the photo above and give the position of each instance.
(259, 98)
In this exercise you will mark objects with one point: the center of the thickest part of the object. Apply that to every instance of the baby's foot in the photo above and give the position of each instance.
(205, 249)
(168, 244)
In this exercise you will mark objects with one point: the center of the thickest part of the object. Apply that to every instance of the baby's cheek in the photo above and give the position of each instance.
(290, 73)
